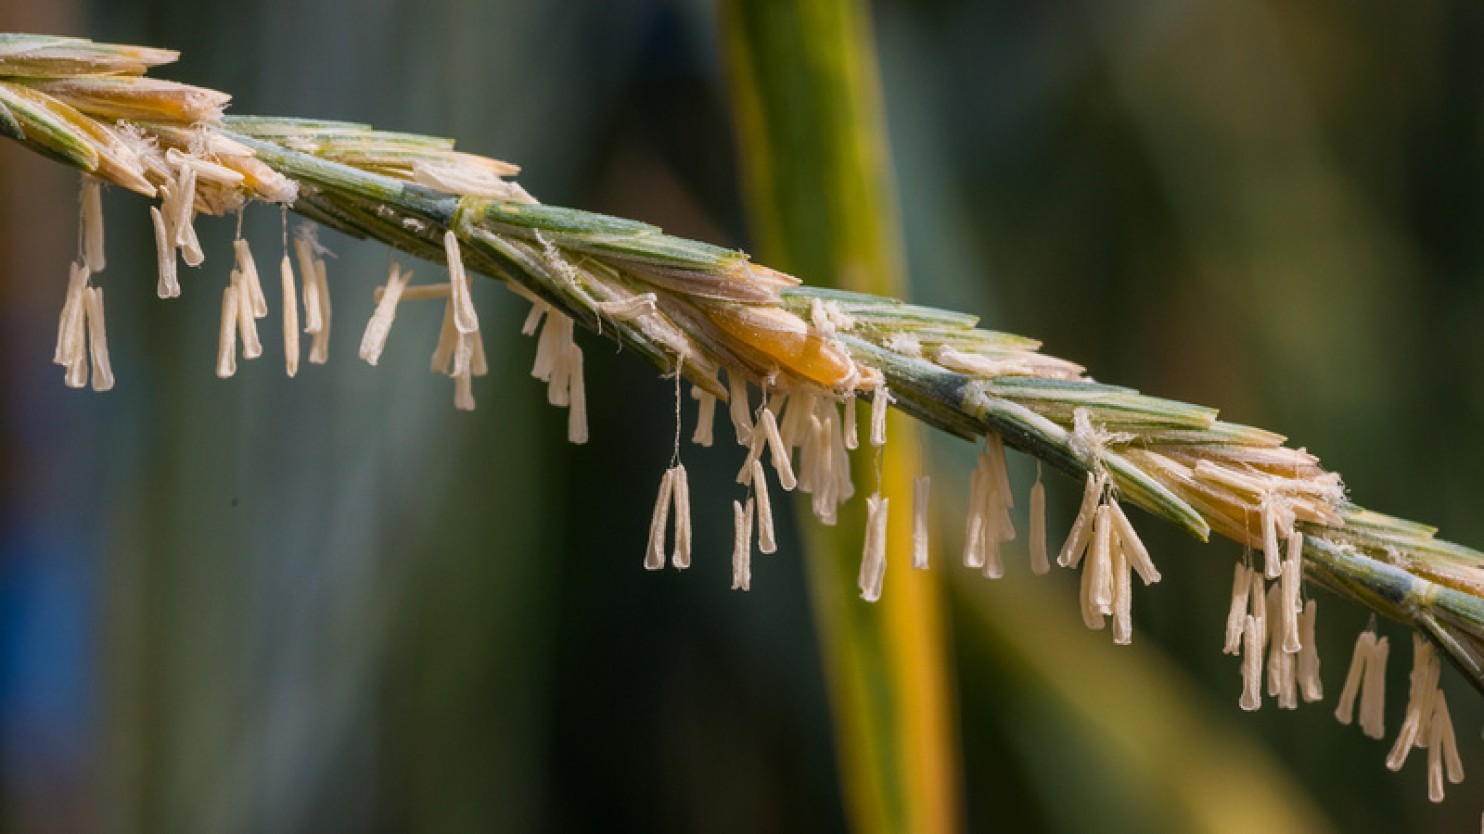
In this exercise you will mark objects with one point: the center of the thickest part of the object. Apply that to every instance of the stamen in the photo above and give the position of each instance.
(1123, 627)
(1253, 640)
(1308, 657)
(98, 341)
(765, 538)
(1076, 543)
(168, 285)
(479, 364)
(976, 521)
(680, 556)
(1138, 554)
(1345, 707)
(226, 344)
(1289, 596)
(742, 545)
(463, 391)
(249, 269)
(873, 557)
(1040, 563)
(852, 433)
(92, 224)
(782, 464)
(464, 317)
(705, 417)
(247, 326)
(1281, 683)
(577, 398)
(654, 558)
(319, 346)
(533, 318)
(183, 233)
(1373, 690)
(1420, 698)
(373, 341)
(448, 342)
(72, 314)
(1273, 556)
(880, 399)
(1101, 561)
(290, 317)
(421, 292)
(740, 411)
(920, 486)
(1236, 616)
(1442, 749)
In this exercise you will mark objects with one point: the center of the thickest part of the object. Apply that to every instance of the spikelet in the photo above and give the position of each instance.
(920, 488)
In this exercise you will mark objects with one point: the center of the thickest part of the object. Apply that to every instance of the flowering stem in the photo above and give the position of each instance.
(712, 310)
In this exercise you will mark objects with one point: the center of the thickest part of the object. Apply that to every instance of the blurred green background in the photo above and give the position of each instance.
(335, 604)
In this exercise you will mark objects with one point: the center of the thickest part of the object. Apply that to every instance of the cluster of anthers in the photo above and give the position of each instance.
(699, 312)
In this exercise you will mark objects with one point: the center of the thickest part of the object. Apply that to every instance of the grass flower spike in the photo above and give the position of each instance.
(795, 360)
